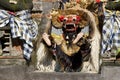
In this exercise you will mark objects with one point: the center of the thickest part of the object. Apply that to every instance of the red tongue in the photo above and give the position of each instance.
(97, 1)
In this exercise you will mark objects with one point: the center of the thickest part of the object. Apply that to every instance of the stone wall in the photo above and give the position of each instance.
(37, 5)
(25, 73)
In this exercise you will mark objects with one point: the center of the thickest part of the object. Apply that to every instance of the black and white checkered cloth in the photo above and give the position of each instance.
(22, 26)
(111, 31)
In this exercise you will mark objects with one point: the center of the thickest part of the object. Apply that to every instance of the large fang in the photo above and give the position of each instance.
(67, 37)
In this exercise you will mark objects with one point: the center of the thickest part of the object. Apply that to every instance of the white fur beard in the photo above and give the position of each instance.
(45, 62)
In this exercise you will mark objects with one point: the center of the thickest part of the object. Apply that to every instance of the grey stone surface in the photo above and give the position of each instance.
(37, 6)
(47, 6)
(28, 73)
(111, 73)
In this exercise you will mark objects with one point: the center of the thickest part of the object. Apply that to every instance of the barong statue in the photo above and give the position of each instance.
(70, 43)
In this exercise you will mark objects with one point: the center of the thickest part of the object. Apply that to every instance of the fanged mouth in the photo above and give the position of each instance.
(70, 27)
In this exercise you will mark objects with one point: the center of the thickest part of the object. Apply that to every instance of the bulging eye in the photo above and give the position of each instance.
(74, 19)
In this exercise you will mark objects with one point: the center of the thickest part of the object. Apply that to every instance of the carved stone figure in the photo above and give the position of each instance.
(58, 52)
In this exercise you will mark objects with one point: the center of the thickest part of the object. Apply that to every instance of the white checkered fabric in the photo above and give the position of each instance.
(111, 31)
(22, 26)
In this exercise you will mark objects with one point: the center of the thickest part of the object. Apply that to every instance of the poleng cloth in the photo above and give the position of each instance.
(111, 31)
(22, 26)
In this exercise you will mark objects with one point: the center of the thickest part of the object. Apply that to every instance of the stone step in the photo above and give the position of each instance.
(6, 49)
(22, 72)
(5, 28)
(7, 43)
(7, 34)
(11, 61)
(7, 37)
(112, 62)
(11, 55)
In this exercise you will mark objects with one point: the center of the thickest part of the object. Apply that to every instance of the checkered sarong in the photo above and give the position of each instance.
(22, 26)
(111, 31)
